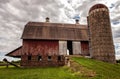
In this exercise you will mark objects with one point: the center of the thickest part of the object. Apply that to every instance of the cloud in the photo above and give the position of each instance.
(14, 14)
(117, 50)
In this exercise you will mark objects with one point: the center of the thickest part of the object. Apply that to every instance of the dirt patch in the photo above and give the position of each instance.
(79, 70)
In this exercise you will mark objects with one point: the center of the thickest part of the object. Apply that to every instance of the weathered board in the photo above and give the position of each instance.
(76, 47)
(62, 47)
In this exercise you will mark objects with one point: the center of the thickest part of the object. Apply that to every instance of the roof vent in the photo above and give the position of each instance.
(47, 19)
(77, 21)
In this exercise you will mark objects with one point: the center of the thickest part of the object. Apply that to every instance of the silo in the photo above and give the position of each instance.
(101, 41)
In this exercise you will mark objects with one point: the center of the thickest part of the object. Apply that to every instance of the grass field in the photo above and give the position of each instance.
(103, 70)
(84, 66)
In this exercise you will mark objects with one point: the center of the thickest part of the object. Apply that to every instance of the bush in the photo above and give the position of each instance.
(1, 61)
(118, 61)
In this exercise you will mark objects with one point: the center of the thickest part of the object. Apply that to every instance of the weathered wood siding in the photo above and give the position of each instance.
(40, 47)
(43, 48)
(85, 48)
(62, 47)
(76, 48)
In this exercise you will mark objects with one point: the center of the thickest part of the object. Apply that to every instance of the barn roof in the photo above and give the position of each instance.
(16, 52)
(55, 31)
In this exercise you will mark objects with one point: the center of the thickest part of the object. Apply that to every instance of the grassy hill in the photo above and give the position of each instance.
(103, 70)
(81, 68)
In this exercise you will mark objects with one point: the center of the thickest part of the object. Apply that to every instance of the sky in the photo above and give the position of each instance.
(14, 14)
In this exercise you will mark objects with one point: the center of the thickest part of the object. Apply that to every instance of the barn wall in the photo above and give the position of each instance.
(76, 48)
(43, 48)
(62, 47)
(44, 62)
(85, 48)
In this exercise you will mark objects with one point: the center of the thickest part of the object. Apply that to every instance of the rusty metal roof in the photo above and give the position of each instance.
(55, 31)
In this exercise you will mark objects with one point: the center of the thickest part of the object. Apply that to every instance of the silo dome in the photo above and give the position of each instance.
(97, 6)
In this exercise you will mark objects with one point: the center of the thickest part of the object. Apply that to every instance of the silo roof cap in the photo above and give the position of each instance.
(97, 6)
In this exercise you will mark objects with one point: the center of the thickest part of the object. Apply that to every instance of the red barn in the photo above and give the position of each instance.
(46, 43)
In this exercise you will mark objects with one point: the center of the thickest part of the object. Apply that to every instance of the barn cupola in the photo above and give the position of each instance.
(47, 19)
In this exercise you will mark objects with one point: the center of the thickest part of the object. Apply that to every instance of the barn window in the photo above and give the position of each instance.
(39, 58)
(29, 57)
(59, 58)
(49, 58)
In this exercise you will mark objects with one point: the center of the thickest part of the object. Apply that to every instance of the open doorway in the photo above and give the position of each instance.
(69, 47)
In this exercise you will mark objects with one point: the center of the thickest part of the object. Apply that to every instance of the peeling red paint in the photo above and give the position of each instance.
(85, 48)
(40, 47)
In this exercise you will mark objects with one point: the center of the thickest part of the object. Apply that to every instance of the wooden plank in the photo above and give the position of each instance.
(62, 47)
(76, 47)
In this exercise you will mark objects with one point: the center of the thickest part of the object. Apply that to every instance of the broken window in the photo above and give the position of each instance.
(29, 57)
(49, 58)
(39, 58)
(59, 58)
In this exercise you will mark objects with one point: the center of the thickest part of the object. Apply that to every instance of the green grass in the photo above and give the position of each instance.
(80, 70)
(103, 70)
(36, 73)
